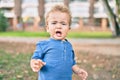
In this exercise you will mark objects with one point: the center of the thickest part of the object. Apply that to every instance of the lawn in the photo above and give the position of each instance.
(71, 34)
(15, 66)
(24, 34)
(90, 34)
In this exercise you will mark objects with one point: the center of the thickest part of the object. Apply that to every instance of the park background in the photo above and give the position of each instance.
(94, 35)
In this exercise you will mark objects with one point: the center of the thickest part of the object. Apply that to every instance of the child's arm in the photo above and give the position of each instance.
(80, 72)
(36, 64)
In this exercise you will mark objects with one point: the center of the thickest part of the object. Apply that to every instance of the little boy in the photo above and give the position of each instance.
(53, 59)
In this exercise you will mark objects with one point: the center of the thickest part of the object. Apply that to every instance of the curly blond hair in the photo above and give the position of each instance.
(60, 8)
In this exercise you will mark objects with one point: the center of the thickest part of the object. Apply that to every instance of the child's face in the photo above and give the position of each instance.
(58, 25)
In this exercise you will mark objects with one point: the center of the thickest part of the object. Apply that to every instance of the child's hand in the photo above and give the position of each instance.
(36, 64)
(82, 73)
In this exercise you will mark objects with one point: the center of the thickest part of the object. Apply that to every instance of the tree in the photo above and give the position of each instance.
(91, 12)
(112, 18)
(66, 2)
(3, 22)
(118, 11)
(18, 10)
(41, 11)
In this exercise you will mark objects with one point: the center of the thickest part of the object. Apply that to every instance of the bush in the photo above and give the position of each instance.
(3, 22)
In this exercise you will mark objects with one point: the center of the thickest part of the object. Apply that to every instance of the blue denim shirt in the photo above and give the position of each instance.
(59, 58)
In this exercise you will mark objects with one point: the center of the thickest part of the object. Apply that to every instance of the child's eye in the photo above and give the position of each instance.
(53, 23)
(63, 23)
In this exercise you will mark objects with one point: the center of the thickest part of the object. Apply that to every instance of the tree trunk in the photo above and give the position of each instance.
(41, 11)
(112, 18)
(66, 2)
(118, 11)
(91, 12)
(18, 10)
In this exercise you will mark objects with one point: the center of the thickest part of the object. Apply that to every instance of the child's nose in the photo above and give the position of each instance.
(58, 26)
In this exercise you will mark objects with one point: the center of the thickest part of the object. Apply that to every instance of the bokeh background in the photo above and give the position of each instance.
(94, 34)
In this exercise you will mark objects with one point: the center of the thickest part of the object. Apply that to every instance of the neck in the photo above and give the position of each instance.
(58, 39)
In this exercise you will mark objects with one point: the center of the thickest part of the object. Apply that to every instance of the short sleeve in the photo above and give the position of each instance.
(74, 62)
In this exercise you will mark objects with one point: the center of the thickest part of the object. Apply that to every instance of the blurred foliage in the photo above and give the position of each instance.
(3, 22)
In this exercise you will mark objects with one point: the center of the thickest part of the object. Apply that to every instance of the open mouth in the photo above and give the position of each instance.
(58, 33)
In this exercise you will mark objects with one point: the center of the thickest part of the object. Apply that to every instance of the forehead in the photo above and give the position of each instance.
(58, 16)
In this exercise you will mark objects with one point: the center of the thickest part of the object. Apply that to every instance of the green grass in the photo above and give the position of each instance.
(70, 34)
(25, 34)
(15, 66)
(90, 34)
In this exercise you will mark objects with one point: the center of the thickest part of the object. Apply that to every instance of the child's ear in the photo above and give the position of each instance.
(47, 29)
(69, 28)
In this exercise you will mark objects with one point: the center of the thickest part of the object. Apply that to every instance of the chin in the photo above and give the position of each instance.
(59, 38)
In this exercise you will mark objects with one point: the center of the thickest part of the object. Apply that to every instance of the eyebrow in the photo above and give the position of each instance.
(59, 21)
(54, 21)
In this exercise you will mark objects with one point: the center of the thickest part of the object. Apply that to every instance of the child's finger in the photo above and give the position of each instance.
(41, 62)
(35, 68)
(83, 77)
(83, 74)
